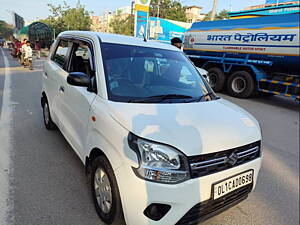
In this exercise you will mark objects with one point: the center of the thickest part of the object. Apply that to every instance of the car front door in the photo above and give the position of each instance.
(76, 101)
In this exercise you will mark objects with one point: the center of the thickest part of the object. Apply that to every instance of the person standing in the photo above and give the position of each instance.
(17, 46)
(22, 50)
(28, 55)
(37, 48)
(177, 42)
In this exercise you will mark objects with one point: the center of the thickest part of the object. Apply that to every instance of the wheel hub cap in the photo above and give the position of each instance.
(238, 85)
(103, 190)
(46, 113)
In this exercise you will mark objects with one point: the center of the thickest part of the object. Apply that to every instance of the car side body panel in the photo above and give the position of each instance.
(105, 134)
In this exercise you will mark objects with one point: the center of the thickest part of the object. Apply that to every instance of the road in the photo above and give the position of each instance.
(46, 182)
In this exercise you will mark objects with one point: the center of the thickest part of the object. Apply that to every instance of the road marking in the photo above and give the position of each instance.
(6, 205)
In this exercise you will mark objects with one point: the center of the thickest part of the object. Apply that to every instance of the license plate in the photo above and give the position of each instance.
(231, 184)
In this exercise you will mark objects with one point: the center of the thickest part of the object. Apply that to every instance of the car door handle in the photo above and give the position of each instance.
(62, 89)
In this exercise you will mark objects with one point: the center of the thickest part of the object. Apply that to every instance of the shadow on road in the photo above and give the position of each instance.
(277, 101)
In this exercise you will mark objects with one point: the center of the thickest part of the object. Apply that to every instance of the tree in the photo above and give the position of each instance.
(77, 18)
(121, 24)
(63, 18)
(168, 9)
(6, 30)
(223, 15)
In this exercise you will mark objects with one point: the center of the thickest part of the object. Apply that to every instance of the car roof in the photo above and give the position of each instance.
(120, 39)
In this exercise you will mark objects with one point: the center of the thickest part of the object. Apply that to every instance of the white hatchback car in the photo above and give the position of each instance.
(159, 145)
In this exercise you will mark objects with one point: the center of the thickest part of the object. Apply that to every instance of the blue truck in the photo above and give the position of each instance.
(248, 56)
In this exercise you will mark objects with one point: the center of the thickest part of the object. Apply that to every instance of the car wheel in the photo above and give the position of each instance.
(216, 78)
(241, 85)
(49, 124)
(105, 192)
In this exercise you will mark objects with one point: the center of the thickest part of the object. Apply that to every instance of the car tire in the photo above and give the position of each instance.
(216, 79)
(49, 124)
(105, 192)
(241, 84)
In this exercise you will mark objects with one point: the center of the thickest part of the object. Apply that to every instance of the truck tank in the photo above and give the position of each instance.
(271, 38)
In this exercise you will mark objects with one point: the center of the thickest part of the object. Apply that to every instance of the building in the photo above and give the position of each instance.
(193, 14)
(123, 12)
(108, 16)
(96, 26)
(104, 21)
(126, 10)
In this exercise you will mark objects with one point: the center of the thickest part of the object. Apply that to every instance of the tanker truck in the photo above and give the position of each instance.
(248, 56)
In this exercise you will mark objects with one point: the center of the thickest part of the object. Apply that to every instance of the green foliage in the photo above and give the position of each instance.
(122, 25)
(6, 30)
(223, 15)
(64, 17)
(168, 9)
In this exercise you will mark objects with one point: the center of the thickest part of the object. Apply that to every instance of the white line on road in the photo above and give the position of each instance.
(5, 148)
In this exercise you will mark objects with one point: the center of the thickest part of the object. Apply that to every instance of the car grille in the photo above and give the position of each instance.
(215, 162)
(207, 209)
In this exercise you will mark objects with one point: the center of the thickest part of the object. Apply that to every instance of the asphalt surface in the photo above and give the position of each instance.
(48, 183)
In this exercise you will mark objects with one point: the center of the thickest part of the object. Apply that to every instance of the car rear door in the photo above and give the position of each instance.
(55, 70)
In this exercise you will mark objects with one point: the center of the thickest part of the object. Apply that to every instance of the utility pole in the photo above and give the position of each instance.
(158, 5)
(157, 18)
(132, 16)
(214, 9)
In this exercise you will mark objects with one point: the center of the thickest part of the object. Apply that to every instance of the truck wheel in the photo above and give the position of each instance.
(241, 85)
(216, 78)
(105, 192)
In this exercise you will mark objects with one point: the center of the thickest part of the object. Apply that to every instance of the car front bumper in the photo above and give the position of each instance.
(184, 198)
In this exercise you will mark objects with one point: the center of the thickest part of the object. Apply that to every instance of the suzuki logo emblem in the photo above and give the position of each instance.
(232, 159)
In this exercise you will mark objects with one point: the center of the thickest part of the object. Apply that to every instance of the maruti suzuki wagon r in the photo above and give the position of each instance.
(159, 145)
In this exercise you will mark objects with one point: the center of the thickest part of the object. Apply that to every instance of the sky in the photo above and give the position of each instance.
(38, 9)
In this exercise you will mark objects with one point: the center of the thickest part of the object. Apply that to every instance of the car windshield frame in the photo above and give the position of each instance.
(198, 83)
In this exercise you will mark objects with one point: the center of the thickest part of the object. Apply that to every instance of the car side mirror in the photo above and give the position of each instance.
(204, 73)
(79, 79)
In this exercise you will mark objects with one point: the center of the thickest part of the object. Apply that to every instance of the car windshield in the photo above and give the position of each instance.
(141, 74)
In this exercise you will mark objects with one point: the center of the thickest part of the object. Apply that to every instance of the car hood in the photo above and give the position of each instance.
(193, 128)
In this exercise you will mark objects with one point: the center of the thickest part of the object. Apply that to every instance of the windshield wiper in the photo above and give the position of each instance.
(210, 94)
(159, 98)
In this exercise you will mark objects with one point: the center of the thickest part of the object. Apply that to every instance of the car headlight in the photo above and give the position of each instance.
(158, 162)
